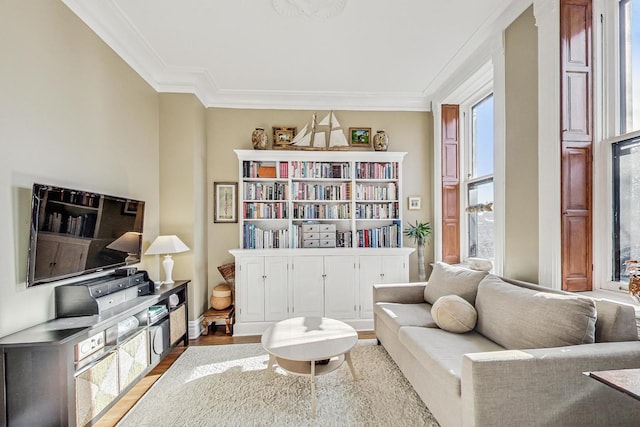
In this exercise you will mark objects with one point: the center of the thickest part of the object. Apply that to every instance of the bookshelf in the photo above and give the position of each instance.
(316, 230)
(357, 193)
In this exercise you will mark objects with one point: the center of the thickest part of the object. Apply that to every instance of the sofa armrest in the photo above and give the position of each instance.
(403, 293)
(547, 386)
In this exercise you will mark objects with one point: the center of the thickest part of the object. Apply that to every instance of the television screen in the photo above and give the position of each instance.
(76, 232)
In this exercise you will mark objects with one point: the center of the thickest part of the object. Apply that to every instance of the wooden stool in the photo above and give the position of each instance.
(212, 316)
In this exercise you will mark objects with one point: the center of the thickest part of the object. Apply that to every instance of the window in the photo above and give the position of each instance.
(629, 65)
(479, 180)
(626, 205)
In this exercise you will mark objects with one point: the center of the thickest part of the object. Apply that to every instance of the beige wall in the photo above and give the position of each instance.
(72, 113)
(521, 193)
(230, 129)
(183, 190)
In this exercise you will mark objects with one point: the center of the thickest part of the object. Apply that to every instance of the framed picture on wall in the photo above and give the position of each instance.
(225, 202)
(415, 203)
(360, 137)
(282, 136)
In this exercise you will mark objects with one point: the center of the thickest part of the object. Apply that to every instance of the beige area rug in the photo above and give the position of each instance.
(224, 386)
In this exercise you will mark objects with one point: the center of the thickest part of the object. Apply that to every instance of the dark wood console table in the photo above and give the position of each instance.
(45, 382)
(624, 380)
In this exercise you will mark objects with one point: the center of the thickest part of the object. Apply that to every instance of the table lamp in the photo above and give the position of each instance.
(167, 245)
(128, 243)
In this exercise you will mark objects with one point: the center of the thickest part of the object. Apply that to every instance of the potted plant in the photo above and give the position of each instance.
(420, 232)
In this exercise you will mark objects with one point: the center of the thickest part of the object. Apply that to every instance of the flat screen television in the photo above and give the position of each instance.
(75, 232)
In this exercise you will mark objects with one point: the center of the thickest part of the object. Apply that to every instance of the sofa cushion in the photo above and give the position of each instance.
(616, 322)
(519, 318)
(395, 315)
(454, 314)
(447, 279)
(441, 352)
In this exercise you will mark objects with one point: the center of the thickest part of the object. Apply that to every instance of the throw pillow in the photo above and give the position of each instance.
(519, 318)
(447, 279)
(454, 314)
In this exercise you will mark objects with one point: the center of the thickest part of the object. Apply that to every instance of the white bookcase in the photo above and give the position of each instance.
(309, 223)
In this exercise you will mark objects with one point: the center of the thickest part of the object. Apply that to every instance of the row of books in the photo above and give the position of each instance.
(321, 211)
(383, 237)
(275, 210)
(265, 191)
(306, 191)
(157, 312)
(376, 170)
(388, 191)
(255, 169)
(256, 238)
(75, 197)
(377, 210)
(321, 169)
(80, 225)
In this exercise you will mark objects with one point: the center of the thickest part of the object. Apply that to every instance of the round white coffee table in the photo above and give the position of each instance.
(297, 344)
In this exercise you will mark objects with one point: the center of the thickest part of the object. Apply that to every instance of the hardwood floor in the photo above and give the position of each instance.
(216, 336)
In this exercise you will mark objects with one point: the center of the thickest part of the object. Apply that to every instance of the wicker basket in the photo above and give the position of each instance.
(228, 272)
(634, 288)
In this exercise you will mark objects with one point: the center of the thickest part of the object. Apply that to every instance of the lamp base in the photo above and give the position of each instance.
(167, 264)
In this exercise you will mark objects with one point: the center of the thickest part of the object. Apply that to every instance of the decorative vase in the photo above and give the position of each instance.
(380, 141)
(221, 297)
(259, 139)
(422, 275)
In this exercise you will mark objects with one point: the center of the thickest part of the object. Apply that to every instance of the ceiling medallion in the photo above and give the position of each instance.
(310, 8)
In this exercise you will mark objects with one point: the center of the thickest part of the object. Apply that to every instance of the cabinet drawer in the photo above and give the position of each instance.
(312, 243)
(99, 290)
(310, 236)
(330, 228)
(310, 228)
(118, 285)
(328, 236)
(328, 243)
(108, 301)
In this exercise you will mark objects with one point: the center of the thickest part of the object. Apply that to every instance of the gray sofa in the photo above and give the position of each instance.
(522, 362)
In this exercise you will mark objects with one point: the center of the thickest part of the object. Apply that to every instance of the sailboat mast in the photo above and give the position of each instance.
(313, 129)
(327, 147)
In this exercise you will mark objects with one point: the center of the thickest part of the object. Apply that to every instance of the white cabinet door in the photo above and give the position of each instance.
(250, 289)
(276, 302)
(307, 284)
(394, 269)
(369, 274)
(341, 287)
(376, 269)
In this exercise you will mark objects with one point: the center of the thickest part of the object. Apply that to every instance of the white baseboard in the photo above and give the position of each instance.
(258, 328)
(195, 328)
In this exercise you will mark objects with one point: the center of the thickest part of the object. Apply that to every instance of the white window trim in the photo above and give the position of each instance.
(606, 133)
(476, 74)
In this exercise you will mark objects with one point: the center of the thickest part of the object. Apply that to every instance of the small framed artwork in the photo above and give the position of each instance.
(360, 137)
(130, 208)
(415, 203)
(225, 202)
(282, 136)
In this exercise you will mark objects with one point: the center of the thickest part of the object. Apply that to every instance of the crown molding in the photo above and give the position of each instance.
(108, 21)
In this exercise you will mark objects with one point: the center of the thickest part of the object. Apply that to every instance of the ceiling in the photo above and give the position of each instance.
(373, 55)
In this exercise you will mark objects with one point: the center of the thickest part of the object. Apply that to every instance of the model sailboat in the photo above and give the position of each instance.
(314, 139)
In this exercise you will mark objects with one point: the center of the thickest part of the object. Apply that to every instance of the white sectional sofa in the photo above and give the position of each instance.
(521, 363)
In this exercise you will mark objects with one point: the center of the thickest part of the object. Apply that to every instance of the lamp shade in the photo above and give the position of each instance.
(129, 242)
(166, 245)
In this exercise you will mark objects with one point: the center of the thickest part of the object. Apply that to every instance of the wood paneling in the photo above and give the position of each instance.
(576, 143)
(450, 184)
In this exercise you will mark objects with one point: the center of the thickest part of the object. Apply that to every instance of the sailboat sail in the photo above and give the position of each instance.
(315, 139)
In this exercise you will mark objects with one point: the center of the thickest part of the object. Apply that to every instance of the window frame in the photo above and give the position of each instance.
(608, 131)
(466, 161)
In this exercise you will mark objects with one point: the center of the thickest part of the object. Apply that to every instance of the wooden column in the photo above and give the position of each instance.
(576, 143)
(450, 184)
